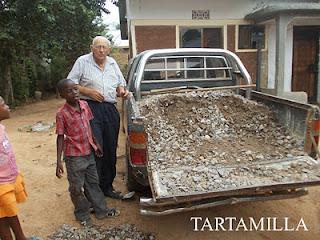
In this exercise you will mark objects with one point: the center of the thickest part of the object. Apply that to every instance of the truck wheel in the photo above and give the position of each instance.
(132, 184)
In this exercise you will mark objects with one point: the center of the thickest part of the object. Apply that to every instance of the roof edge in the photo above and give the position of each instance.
(267, 12)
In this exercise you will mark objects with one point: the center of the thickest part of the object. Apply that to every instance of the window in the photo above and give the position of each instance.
(249, 35)
(193, 64)
(154, 69)
(186, 68)
(201, 37)
(174, 66)
(216, 68)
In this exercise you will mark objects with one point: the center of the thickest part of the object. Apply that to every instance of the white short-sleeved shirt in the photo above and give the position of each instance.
(87, 73)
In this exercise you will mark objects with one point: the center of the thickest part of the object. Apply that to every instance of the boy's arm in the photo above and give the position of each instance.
(99, 151)
(59, 168)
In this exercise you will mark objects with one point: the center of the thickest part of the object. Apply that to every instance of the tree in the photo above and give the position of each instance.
(40, 39)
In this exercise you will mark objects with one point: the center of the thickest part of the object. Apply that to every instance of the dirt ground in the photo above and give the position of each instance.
(49, 206)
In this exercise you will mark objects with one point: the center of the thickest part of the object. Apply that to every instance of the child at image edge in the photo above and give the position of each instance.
(12, 189)
(75, 139)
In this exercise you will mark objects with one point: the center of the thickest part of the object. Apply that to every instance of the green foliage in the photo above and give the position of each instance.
(121, 56)
(40, 40)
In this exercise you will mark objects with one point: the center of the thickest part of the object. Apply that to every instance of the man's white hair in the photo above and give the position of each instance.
(101, 38)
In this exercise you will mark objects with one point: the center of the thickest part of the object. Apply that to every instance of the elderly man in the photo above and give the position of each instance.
(100, 81)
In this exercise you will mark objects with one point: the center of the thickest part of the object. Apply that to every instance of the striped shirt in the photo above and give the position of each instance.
(87, 73)
(75, 126)
(8, 165)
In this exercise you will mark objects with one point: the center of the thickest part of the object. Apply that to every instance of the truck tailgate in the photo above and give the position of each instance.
(237, 180)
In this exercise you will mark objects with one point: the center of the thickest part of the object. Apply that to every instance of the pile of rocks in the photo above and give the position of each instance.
(186, 179)
(191, 134)
(122, 232)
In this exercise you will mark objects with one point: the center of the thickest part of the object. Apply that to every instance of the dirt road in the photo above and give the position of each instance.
(49, 205)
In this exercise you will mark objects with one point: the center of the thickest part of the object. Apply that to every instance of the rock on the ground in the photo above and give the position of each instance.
(122, 232)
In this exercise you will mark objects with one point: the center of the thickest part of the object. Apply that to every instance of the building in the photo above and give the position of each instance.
(286, 32)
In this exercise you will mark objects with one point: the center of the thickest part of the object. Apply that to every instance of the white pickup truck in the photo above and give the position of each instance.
(226, 179)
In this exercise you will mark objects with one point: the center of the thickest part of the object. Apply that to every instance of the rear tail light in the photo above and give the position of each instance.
(138, 148)
(138, 156)
(138, 137)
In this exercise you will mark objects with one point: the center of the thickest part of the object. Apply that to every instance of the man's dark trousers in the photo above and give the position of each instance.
(105, 127)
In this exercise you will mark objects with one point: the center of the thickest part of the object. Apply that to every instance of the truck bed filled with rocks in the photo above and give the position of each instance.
(217, 141)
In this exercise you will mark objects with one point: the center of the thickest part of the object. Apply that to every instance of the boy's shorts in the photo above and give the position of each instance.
(10, 195)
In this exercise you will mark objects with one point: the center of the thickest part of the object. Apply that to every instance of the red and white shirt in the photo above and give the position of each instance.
(75, 126)
(8, 165)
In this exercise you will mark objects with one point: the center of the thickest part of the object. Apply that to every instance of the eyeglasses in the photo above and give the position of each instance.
(101, 47)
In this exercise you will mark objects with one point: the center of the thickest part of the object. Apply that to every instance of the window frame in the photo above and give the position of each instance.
(237, 49)
(201, 28)
(227, 68)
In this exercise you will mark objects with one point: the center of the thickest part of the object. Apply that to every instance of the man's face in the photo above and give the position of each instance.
(70, 92)
(4, 110)
(100, 50)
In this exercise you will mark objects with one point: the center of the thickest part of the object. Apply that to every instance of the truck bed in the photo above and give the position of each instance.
(243, 179)
(243, 171)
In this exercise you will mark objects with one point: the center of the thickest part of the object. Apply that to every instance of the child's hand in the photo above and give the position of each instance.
(98, 152)
(59, 170)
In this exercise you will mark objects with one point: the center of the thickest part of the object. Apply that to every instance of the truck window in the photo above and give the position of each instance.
(186, 68)
(217, 67)
(193, 65)
(174, 66)
(154, 69)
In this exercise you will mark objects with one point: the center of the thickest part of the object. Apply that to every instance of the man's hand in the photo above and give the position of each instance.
(122, 92)
(92, 93)
(59, 169)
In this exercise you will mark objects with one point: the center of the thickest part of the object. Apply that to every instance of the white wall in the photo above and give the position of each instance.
(175, 9)
(271, 34)
(288, 60)
(181, 9)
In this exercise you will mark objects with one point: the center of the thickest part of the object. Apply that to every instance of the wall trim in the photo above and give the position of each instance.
(177, 37)
(148, 22)
(134, 41)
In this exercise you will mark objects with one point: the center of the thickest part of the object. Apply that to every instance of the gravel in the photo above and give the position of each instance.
(193, 136)
(122, 232)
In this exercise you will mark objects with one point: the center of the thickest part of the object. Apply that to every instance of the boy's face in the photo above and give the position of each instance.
(70, 92)
(4, 110)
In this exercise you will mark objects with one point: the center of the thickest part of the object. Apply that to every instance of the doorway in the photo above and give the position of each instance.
(305, 60)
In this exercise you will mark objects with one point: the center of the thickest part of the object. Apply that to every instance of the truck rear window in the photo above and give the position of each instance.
(182, 68)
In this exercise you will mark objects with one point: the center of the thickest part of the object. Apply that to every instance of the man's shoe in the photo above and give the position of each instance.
(113, 194)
